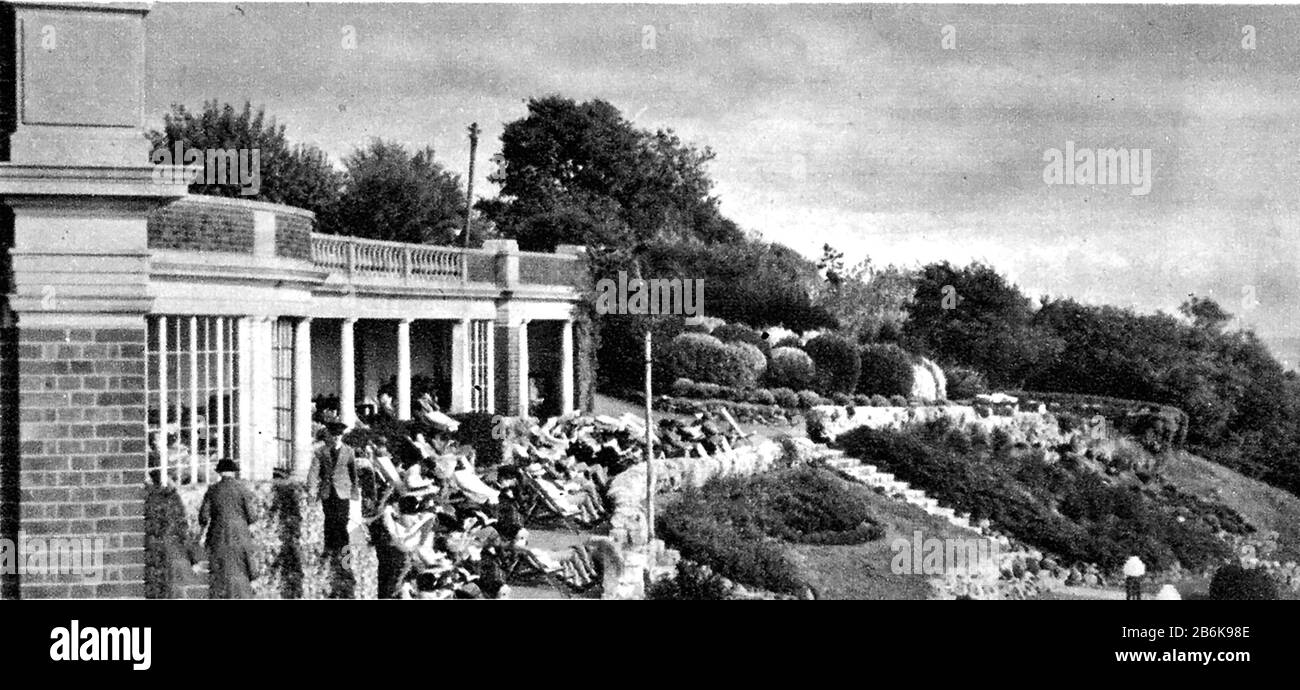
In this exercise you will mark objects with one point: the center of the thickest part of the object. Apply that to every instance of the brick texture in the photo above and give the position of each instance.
(194, 226)
(549, 270)
(293, 236)
(9, 457)
(82, 442)
(507, 370)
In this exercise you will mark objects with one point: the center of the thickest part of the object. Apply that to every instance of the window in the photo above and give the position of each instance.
(282, 353)
(480, 362)
(191, 384)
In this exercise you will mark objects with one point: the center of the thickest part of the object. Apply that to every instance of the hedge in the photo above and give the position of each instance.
(706, 359)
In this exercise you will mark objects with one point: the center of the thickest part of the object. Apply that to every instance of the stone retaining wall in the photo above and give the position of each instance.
(643, 560)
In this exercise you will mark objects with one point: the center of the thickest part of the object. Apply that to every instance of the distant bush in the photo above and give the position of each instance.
(683, 388)
(879, 401)
(790, 368)
(740, 333)
(837, 363)
(861, 400)
(886, 370)
(1233, 582)
(789, 341)
(762, 396)
(706, 359)
(809, 399)
(708, 390)
(965, 383)
(897, 401)
(842, 399)
(785, 397)
(753, 358)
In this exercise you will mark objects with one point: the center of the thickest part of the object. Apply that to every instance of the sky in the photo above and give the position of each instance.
(904, 134)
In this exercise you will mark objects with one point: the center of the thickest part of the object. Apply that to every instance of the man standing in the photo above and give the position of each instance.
(1134, 569)
(333, 479)
(228, 509)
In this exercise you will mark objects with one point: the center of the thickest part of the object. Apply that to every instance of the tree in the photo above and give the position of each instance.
(581, 173)
(973, 317)
(392, 194)
(298, 175)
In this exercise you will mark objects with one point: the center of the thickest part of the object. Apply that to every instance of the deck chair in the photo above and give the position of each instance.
(521, 565)
(537, 506)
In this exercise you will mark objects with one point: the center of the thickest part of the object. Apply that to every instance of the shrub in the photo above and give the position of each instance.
(704, 358)
(691, 582)
(731, 523)
(789, 341)
(886, 370)
(790, 368)
(808, 399)
(861, 399)
(897, 401)
(879, 401)
(841, 399)
(837, 363)
(1233, 582)
(753, 358)
(708, 391)
(740, 333)
(762, 396)
(965, 383)
(682, 387)
(785, 397)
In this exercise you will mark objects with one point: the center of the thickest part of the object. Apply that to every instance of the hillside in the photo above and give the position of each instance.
(1264, 507)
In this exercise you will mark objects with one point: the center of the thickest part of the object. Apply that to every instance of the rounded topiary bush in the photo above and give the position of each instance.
(879, 401)
(740, 333)
(843, 399)
(754, 359)
(1233, 582)
(965, 383)
(789, 341)
(809, 398)
(682, 387)
(837, 363)
(703, 358)
(708, 390)
(886, 370)
(785, 397)
(762, 396)
(897, 401)
(790, 368)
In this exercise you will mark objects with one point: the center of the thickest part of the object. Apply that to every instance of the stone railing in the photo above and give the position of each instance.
(359, 257)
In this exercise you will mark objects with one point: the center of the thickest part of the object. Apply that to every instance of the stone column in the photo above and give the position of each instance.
(347, 374)
(566, 367)
(302, 440)
(404, 369)
(461, 373)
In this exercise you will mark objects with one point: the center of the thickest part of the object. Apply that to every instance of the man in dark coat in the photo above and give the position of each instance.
(227, 511)
(333, 479)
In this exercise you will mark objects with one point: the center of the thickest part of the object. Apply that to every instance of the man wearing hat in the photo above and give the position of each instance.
(333, 479)
(228, 509)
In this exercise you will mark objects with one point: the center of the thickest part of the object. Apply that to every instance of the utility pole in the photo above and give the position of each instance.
(469, 195)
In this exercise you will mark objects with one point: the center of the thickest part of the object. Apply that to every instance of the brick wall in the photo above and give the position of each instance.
(192, 225)
(549, 270)
(9, 458)
(293, 236)
(82, 441)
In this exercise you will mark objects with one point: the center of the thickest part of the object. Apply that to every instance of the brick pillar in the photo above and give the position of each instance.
(9, 456)
(82, 438)
(509, 367)
(79, 188)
